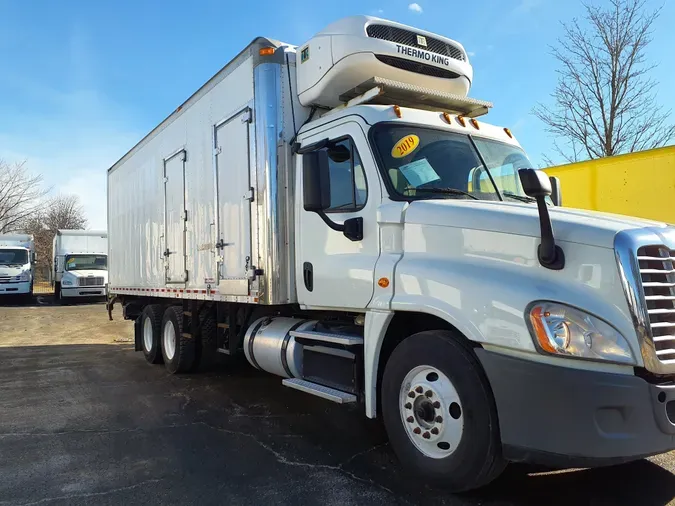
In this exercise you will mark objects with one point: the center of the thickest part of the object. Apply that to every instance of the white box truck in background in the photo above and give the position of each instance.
(80, 264)
(337, 213)
(17, 265)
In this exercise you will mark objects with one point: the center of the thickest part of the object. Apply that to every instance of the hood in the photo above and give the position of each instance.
(13, 270)
(87, 273)
(569, 225)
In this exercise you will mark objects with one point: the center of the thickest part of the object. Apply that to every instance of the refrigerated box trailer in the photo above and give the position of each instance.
(17, 265)
(80, 264)
(337, 212)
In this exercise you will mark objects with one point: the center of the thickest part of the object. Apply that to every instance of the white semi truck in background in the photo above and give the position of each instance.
(80, 266)
(337, 212)
(17, 265)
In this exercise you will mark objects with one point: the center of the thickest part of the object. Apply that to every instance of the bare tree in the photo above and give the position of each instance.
(64, 212)
(21, 195)
(604, 100)
(61, 212)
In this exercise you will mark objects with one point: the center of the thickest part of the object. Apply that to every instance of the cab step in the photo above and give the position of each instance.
(344, 339)
(328, 393)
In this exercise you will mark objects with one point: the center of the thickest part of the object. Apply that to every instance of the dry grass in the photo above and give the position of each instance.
(42, 287)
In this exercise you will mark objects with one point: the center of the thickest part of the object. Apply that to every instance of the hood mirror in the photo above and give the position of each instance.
(537, 185)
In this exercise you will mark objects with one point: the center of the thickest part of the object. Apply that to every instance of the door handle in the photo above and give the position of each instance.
(308, 276)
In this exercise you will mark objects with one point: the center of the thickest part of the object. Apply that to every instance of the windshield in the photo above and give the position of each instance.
(428, 163)
(86, 263)
(13, 256)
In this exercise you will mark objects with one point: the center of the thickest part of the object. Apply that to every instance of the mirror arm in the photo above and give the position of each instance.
(334, 226)
(550, 255)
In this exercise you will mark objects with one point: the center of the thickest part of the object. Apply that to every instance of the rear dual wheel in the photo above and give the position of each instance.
(178, 349)
(439, 412)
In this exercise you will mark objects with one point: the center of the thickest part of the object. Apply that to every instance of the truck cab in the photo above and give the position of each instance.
(17, 260)
(80, 264)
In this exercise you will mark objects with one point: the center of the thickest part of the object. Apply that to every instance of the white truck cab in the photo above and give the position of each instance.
(80, 264)
(17, 261)
(338, 212)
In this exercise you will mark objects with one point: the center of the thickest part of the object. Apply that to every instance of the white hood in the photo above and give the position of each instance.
(13, 270)
(88, 273)
(569, 225)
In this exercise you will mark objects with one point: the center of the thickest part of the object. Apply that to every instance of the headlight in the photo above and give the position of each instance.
(25, 276)
(66, 282)
(563, 330)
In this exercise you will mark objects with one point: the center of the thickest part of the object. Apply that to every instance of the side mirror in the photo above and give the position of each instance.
(556, 194)
(316, 193)
(316, 181)
(536, 184)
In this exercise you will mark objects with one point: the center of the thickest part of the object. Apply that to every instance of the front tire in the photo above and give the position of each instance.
(439, 412)
(179, 351)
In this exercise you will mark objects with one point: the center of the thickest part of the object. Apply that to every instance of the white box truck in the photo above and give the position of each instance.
(17, 265)
(80, 264)
(336, 212)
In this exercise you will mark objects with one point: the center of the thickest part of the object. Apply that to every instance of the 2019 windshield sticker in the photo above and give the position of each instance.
(405, 146)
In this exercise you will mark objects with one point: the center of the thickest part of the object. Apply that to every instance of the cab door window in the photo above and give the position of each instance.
(348, 187)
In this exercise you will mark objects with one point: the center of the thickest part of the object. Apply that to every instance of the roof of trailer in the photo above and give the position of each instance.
(208, 85)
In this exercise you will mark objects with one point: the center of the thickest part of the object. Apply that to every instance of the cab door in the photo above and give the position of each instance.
(332, 270)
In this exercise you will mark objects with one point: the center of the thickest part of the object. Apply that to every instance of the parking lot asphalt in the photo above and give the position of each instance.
(85, 420)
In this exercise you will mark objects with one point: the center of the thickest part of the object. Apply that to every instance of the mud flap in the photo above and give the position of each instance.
(138, 334)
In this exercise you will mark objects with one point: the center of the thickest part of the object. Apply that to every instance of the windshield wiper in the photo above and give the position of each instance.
(449, 191)
(521, 198)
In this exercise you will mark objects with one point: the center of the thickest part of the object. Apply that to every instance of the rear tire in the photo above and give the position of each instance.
(179, 352)
(439, 412)
(151, 332)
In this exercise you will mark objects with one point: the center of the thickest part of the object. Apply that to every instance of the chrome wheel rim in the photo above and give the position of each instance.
(147, 334)
(169, 340)
(431, 412)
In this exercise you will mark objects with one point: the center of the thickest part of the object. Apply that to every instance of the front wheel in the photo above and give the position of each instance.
(439, 412)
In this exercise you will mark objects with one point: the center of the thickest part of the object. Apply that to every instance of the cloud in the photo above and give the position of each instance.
(526, 6)
(415, 7)
(471, 53)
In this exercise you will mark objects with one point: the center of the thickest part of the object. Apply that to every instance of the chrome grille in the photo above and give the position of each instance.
(408, 38)
(93, 281)
(9, 279)
(657, 272)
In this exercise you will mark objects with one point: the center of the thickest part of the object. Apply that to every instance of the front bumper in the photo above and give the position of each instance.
(20, 288)
(83, 291)
(563, 417)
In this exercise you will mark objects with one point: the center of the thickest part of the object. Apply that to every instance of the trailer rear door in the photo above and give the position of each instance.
(234, 196)
(175, 217)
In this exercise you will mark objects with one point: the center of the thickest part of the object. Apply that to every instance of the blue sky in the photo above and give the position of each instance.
(82, 81)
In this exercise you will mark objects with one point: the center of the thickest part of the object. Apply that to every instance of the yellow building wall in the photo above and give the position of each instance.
(638, 184)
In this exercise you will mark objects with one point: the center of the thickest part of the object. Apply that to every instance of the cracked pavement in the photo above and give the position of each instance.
(85, 420)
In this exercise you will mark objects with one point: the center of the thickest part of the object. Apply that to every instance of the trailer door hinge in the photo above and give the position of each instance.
(249, 195)
(166, 179)
(217, 151)
(247, 117)
(185, 215)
